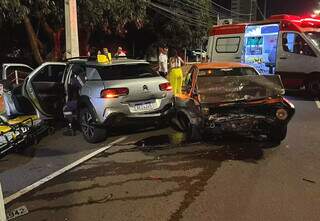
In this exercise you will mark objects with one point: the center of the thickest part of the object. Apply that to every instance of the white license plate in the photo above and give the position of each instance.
(144, 107)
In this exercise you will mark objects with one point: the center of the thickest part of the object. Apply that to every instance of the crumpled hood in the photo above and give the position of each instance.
(238, 88)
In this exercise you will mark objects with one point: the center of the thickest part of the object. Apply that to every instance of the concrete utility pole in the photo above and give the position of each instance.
(71, 23)
(265, 8)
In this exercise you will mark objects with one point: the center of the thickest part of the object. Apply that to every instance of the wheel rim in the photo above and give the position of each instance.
(86, 124)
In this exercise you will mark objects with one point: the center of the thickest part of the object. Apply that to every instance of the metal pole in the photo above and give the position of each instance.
(265, 8)
(71, 23)
(250, 10)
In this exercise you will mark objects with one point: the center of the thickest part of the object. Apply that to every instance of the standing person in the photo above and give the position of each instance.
(120, 53)
(176, 76)
(163, 62)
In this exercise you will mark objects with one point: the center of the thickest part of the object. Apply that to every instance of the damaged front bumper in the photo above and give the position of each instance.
(237, 123)
(243, 118)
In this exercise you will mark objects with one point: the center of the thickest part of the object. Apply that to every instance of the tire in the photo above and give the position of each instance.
(162, 123)
(92, 133)
(313, 87)
(277, 134)
(193, 133)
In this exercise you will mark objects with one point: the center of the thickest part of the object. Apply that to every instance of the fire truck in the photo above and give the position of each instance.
(286, 45)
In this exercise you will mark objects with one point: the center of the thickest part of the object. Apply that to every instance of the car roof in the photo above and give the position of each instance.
(119, 61)
(220, 64)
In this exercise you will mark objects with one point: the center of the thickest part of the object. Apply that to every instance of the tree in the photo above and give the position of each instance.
(181, 23)
(48, 16)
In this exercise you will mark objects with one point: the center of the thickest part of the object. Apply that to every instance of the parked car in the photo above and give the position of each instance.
(232, 97)
(198, 53)
(98, 95)
(14, 74)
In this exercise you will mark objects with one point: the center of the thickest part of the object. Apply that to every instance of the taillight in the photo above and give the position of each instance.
(165, 87)
(114, 92)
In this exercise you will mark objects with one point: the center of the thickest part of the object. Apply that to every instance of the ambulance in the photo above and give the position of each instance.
(286, 45)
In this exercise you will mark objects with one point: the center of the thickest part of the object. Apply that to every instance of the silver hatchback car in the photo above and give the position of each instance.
(98, 96)
(112, 94)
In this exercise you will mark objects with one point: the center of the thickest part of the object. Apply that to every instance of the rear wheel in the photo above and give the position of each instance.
(277, 134)
(313, 87)
(192, 131)
(92, 132)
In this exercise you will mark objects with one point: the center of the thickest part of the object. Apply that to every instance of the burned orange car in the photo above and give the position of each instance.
(232, 97)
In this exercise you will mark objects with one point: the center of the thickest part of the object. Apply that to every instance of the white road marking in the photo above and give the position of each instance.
(317, 102)
(61, 171)
(2, 209)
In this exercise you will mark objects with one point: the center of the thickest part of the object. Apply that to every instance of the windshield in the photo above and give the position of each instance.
(243, 71)
(315, 38)
(121, 72)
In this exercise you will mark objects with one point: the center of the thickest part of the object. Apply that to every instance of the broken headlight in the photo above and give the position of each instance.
(206, 110)
(282, 114)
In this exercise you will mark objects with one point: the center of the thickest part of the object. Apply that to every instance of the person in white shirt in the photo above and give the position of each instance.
(163, 62)
(120, 53)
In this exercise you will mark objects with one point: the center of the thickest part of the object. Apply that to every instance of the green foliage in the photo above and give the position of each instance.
(114, 14)
(185, 24)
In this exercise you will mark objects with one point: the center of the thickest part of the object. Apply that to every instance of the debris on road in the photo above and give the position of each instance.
(155, 177)
(307, 180)
(20, 211)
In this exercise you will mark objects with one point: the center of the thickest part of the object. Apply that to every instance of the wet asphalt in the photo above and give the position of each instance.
(156, 175)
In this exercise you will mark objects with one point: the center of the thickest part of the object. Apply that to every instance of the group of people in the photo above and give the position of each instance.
(105, 56)
(173, 65)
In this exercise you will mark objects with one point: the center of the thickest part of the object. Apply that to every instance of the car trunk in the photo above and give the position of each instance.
(139, 89)
(215, 90)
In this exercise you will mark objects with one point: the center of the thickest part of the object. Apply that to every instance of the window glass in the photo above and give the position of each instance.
(244, 71)
(17, 74)
(294, 43)
(128, 71)
(50, 73)
(227, 45)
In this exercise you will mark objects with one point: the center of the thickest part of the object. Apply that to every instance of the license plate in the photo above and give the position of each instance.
(143, 107)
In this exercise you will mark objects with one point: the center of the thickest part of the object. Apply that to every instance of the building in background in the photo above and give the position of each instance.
(244, 10)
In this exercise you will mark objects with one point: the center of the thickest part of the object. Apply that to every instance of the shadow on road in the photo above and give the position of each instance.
(299, 95)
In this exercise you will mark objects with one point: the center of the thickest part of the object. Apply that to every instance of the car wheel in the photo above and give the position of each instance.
(193, 133)
(277, 134)
(313, 87)
(91, 132)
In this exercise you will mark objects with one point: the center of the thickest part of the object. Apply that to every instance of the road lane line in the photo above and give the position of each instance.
(317, 102)
(61, 171)
(3, 215)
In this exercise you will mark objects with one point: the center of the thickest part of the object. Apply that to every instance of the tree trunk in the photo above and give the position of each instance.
(33, 40)
(57, 45)
(84, 38)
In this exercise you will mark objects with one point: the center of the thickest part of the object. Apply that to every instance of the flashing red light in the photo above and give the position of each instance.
(165, 87)
(114, 92)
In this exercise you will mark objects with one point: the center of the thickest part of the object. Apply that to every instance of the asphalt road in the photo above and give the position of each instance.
(155, 175)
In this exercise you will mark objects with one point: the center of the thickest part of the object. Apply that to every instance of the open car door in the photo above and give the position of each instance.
(14, 74)
(44, 89)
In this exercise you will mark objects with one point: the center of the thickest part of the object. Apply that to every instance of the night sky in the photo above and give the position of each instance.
(297, 7)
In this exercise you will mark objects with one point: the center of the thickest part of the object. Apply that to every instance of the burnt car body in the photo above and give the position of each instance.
(232, 97)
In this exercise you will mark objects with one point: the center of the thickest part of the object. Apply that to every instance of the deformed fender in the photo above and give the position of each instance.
(194, 118)
(84, 101)
(189, 109)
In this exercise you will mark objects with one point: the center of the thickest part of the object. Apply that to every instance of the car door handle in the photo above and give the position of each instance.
(283, 58)
(237, 57)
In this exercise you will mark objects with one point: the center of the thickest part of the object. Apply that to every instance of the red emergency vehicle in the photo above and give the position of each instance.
(287, 45)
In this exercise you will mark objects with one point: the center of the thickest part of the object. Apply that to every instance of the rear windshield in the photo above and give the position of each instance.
(244, 71)
(120, 72)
